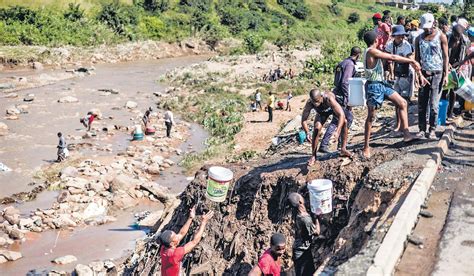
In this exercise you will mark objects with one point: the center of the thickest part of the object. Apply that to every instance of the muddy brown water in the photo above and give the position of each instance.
(31, 145)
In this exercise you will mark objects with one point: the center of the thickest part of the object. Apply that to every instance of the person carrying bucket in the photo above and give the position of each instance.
(305, 231)
(270, 262)
(171, 254)
(344, 70)
(325, 105)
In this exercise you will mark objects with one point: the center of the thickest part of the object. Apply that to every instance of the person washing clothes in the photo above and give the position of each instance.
(87, 120)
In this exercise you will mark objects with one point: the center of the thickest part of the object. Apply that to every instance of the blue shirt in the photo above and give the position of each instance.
(344, 70)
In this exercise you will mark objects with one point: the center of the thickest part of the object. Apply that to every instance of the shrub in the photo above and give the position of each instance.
(297, 8)
(353, 18)
(367, 27)
(253, 43)
(201, 5)
(74, 12)
(119, 17)
(334, 8)
(151, 27)
(214, 34)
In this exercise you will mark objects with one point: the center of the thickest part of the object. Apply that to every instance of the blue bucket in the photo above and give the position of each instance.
(443, 112)
(138, 136)
(301, 137)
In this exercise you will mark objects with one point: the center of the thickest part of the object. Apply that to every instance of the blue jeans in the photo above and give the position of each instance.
(333, 126)
(428, 98)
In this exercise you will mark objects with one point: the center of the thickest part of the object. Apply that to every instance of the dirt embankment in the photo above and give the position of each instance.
(257, 207)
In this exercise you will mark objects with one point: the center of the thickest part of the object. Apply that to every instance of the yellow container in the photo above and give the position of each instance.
(468, 105)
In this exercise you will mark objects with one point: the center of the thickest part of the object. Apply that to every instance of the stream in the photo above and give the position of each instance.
(31, 145)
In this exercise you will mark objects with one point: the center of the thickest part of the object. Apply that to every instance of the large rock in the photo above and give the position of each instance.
(153, 169)
(16, 233)
(3, 129)
(38, 65)
(83, 270)
(160, 192)
(10, 255)
(65, 260)
(13, 110)
(77, 183)
(123, 201)
(69, 172)
(123, 182)
(12, 215)
(131, 104)
(68, 99)
(94, 210)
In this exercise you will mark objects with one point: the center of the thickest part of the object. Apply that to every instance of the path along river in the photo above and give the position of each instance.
(32, 141)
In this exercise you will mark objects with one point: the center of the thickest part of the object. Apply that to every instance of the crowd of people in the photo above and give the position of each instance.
(399, 59)
(277, 74)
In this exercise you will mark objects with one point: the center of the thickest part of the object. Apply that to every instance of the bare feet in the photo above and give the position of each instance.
(312, 161)
(366, 153)
(345, 153)
(408, 137)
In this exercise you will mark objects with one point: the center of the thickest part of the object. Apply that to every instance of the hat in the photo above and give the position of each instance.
(415, 23)
(470, 32)
(377, 16)
(463, 22)
(427, 21)
(398, 30)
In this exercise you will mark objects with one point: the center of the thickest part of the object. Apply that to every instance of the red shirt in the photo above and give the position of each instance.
(268, 265)
(91, 118)
(171, 260)
(382, 35)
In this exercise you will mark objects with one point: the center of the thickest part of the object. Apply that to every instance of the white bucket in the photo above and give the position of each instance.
(138, 129)
(466, 91)
(357, 92)
(218, 183)
(320, 196)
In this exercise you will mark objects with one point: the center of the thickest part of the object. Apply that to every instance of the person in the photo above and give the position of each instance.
(253, 106)
(458, 48)
(291, 73)
(325, 105)
(388, 17)
(288, 99)
(383, 31)
(169, 122)
(270, 107)
(443, 25)
(278, 73)
(431, 50)
(344, 70)
(61, 148)
(87, 120)
(305, 231)
(454, 20)
(415, 32)
(270, 262)
(401, 20)
(146, 117)
(400, 72)
(377, 89)
(172, 254)
(258, 99)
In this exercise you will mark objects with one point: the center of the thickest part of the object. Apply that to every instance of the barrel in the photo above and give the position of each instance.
(218, 181)
(357, 92)
(443, 112)
(320, 196)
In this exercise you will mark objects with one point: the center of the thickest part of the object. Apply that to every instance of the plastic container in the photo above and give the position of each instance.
(357, 92)
(138, 133)
(453, 80)
(218, 183)
(468, 105)
(301, 137)
(320, 196)
(466, 89)
(443, 112)
(149, 131)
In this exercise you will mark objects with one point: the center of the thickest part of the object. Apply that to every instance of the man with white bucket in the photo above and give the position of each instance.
(305, 231)
(325, 105)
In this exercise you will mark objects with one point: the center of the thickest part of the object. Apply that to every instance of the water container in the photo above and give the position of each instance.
(218, 183)
(443, 111)
(138, 133)
(466, 89)
(453, 80)
(301, 136)
(320, 196)
(150, 131)
(357, 92)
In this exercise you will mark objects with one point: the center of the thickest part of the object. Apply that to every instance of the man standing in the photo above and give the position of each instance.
(400, 72)
(258, 99)
(270, 107)
(171, 254)
(344, 70)
(377, 89)
(169, 122)
(431, 50)
(61, 148)
(415, 32)
(270, 262)
(401, 20)
(382, 29)
(305, 230)
(325, 105)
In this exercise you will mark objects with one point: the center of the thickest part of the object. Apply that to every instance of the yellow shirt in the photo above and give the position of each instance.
(271, 101)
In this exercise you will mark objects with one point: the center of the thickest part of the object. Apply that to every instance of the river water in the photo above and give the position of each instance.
(31, 144)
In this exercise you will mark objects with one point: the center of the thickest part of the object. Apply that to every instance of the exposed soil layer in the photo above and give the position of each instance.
(257, 207)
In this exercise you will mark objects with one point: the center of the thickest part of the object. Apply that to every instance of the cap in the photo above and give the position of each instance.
(463, 22)
(398, 30)
(415, 23)
(377, 16)
(427, 21)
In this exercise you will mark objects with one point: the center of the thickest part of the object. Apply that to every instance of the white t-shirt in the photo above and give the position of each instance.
(404, 49)
(169, 117)
(258, 97)
(413, 35)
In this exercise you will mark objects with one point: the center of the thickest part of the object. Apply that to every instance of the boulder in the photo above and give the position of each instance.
(131, 104)
(97, 266)
(160, 192)
(65, 260)
(25, 223)
(38, 65)
(83, 270)
(158, 159)
(12, 215)
(153, 169)
(11, 95)
(68, 99)
(123, 201)
(69, 172)
(77, 183)
(16, 234)
(3, 129)
(12, 110)
(123, 182)
(95, 186)
(94, 210)
(10, 255)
